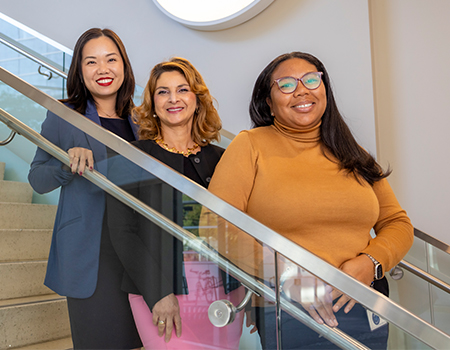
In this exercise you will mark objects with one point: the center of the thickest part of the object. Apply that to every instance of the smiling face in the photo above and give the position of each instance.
(302, 109)
(102, 68)
(174, 101)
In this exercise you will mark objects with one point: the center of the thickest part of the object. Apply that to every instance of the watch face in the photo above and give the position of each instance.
(378, 271)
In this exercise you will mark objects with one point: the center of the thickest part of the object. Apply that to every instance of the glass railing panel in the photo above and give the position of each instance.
(439, 263)
(425, 299)
(241, 256)
(312, 295)
(417, 255)
(398, 339)
(412, 293)
(417, 299)
(32, 72)
(19, 153)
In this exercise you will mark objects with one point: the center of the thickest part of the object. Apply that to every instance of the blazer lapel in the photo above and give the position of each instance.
(98, 148)
(134, 127)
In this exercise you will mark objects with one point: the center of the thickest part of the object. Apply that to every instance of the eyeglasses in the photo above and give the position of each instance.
(288, 85)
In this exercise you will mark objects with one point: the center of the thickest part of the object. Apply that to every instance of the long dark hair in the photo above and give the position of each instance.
(336, 136)
(77, 92)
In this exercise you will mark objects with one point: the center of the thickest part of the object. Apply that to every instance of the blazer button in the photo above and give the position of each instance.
(208, 179)
(197, 160)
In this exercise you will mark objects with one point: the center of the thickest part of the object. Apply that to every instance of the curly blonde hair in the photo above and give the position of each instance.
(206, 123)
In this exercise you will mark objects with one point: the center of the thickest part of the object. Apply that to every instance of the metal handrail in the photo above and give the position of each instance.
(333, 334)
(9, 139)
(425, 276)
(380, 304)
(13, 45)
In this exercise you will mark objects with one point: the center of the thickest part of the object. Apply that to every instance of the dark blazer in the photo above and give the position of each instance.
(74, 254)
(152, 257)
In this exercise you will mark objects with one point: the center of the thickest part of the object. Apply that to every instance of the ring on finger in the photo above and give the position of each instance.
(161, 322)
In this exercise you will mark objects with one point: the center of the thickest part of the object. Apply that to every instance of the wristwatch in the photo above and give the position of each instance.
(378, 268)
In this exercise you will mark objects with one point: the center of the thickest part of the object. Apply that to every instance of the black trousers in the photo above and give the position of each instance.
(105, 320)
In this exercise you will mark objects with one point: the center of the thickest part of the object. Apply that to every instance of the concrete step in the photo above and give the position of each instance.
(2, 170)
(24, 244)
(22, 279)
(26, 216)
(15, 192)
(60, 344)
(34, 320)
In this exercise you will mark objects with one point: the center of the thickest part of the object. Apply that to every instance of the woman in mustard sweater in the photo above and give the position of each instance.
(301, 172)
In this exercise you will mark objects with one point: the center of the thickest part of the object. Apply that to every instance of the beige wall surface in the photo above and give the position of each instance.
(411, 55)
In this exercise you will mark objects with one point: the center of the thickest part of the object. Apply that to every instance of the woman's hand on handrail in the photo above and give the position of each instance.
(80, 158)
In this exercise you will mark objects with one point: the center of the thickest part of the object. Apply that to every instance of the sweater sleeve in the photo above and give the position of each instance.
(394, 231)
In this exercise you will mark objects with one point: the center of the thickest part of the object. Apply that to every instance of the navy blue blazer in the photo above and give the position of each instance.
(74, 254)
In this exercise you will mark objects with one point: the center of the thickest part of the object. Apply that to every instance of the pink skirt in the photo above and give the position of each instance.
(205, 286)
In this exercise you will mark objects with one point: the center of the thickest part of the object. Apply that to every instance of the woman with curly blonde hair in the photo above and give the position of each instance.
(177, 123)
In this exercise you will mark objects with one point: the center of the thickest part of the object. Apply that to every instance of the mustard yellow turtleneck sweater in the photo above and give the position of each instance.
(280, 177)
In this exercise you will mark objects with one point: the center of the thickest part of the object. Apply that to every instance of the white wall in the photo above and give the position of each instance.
(230, 60)
(412, 74)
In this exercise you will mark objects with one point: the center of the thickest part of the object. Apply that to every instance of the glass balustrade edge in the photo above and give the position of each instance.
(361, 293)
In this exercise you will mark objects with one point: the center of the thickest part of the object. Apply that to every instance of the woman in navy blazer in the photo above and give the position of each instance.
(82, 263)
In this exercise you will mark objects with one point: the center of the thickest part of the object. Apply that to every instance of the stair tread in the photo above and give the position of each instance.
(15, 182)
(30, 300)
(22, 261)
(25, 229)
(30, 204)
(59, 344)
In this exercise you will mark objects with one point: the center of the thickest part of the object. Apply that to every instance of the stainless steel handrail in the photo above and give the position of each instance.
(12, 45)
(425, 276)
(9, 139)
(383, 306)
(333, 334)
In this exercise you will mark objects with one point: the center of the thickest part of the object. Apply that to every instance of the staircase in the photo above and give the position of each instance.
(31, 315)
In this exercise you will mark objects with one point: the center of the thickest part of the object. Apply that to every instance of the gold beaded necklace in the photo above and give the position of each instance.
(174, 150)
